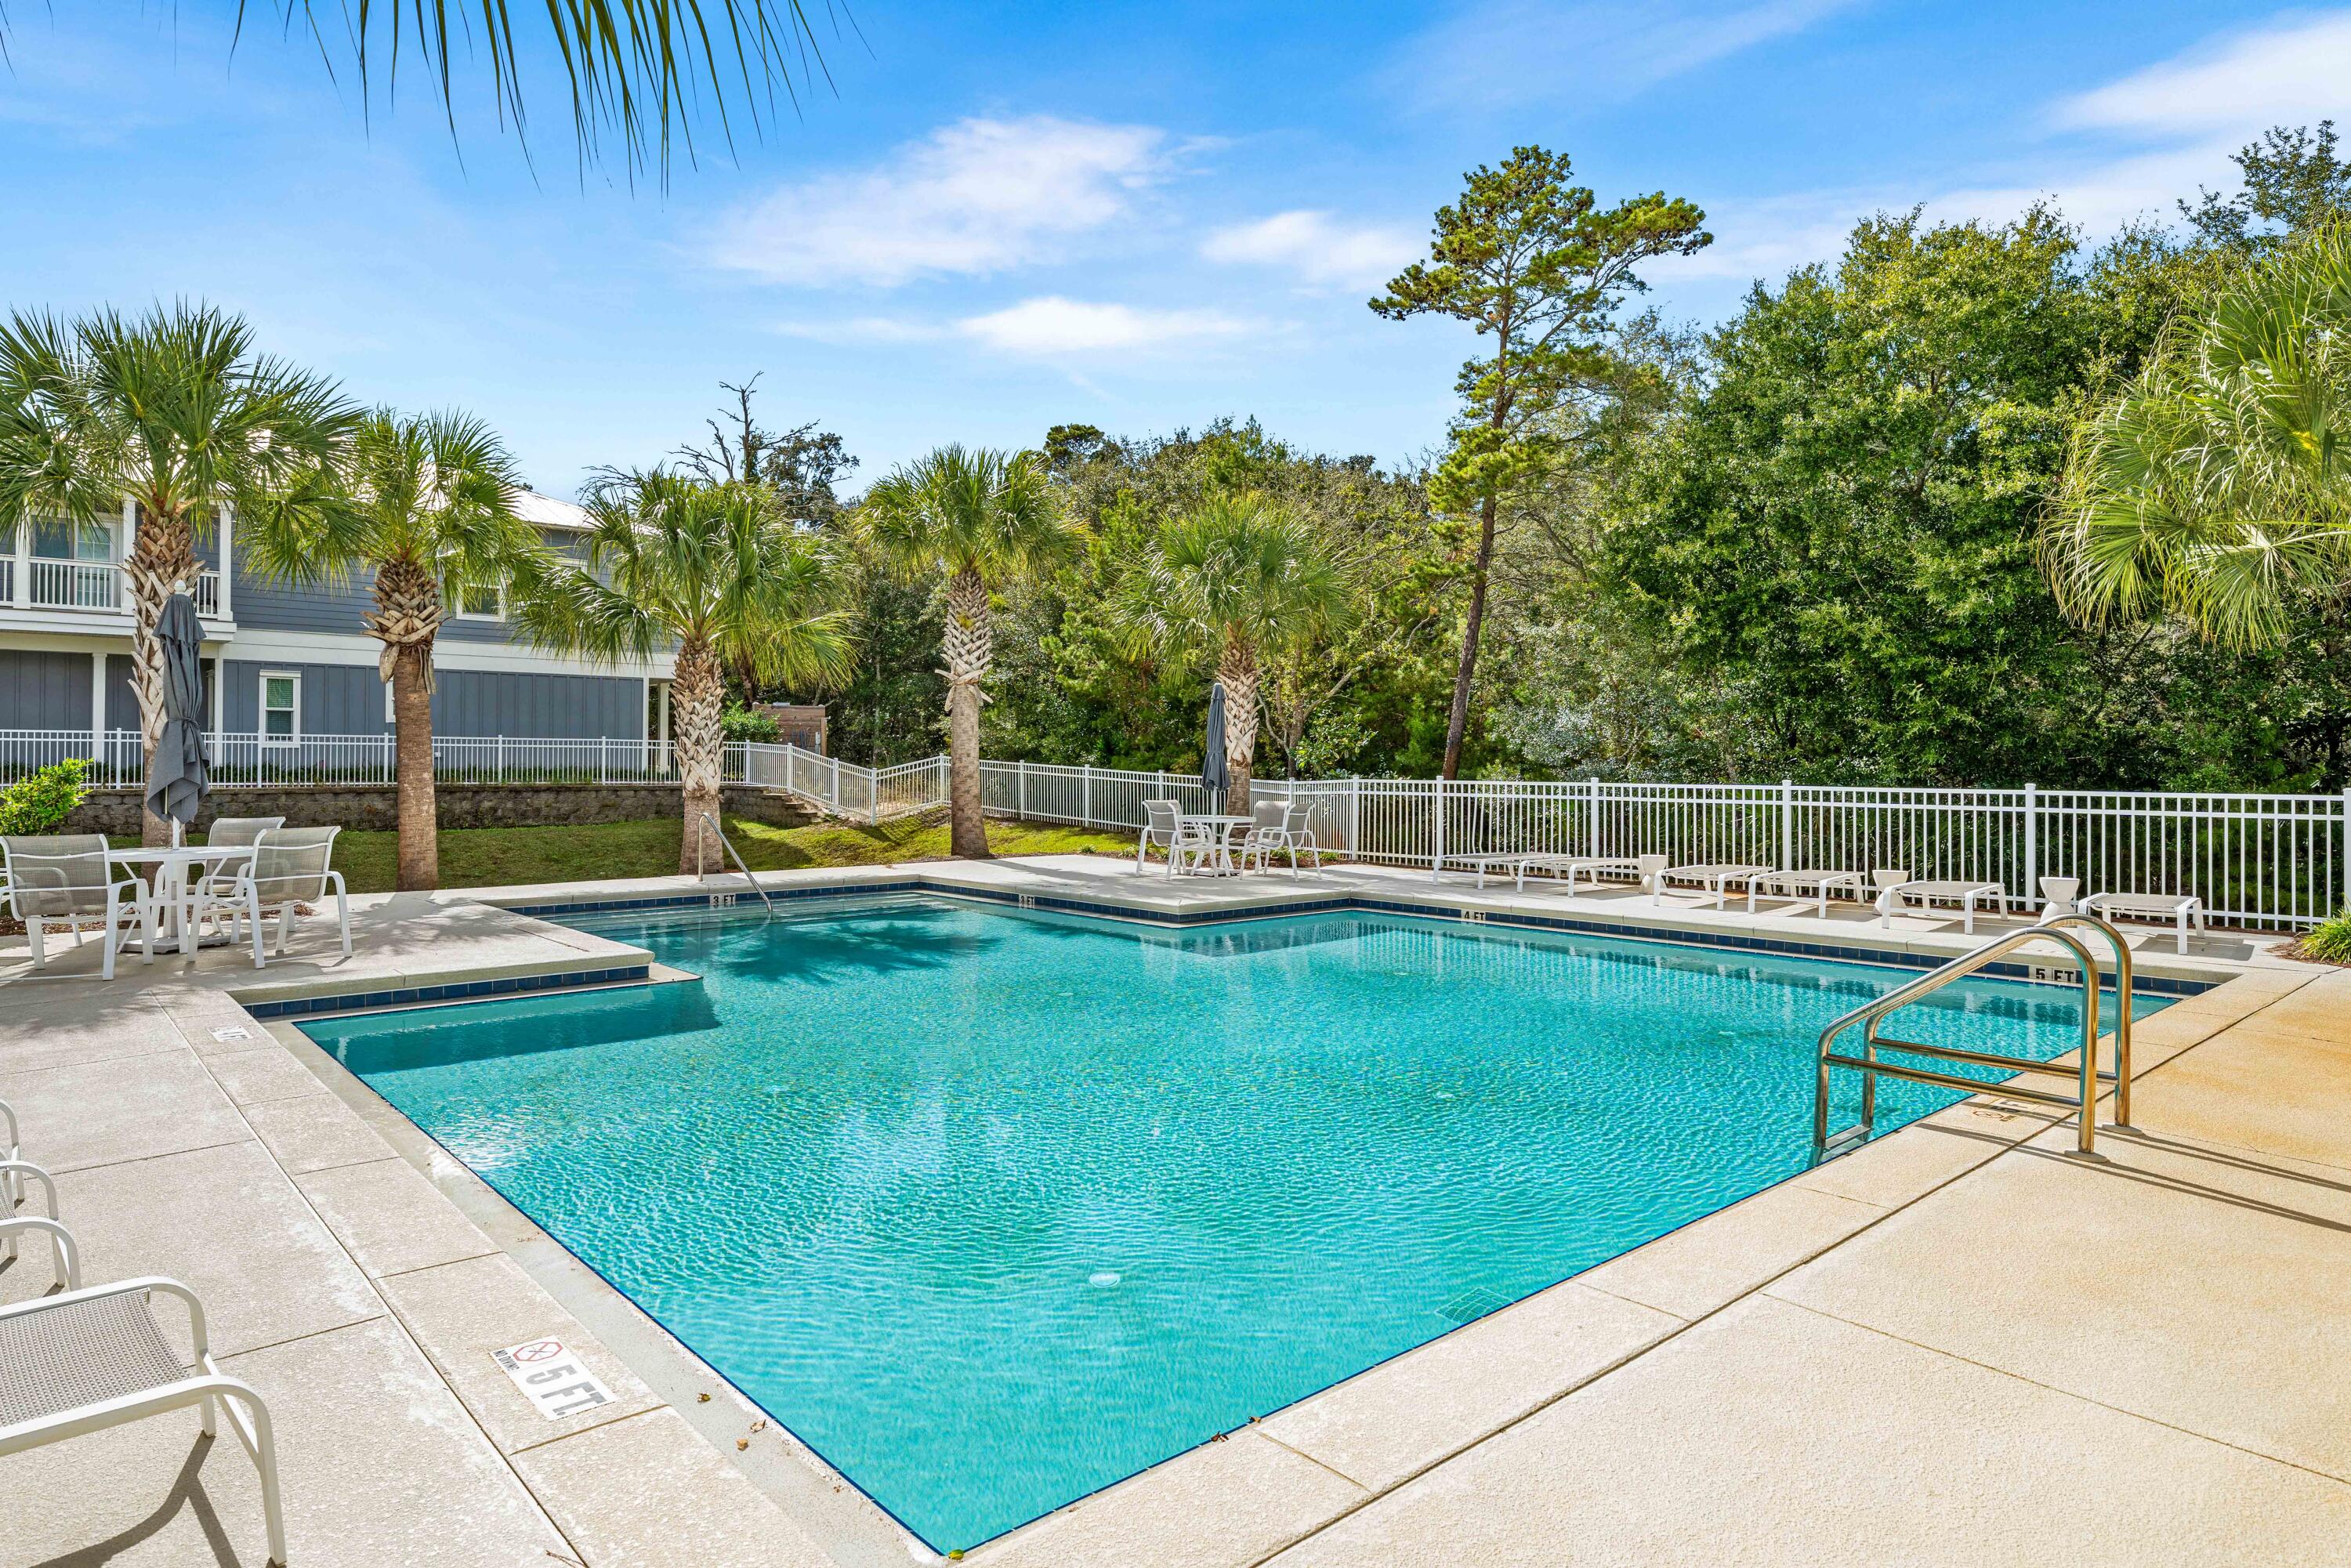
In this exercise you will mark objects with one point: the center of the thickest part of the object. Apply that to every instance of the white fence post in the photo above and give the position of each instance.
(1593, 838)
(1355, 815)
(836, 786)
(2346, 852)
(1436, 844)
(1020, 790)
(1086, 792)
(2031, 845)
(498, 775)
(1787, 824)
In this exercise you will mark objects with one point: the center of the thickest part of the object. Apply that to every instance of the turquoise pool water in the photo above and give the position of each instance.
(993, 1208)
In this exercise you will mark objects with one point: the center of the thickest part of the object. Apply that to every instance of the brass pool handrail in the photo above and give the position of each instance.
(1870, 1014)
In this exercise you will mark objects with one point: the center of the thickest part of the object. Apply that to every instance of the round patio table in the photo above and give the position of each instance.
(1224, 825)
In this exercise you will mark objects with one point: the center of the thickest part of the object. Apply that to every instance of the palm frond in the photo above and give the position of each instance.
(2217, 487)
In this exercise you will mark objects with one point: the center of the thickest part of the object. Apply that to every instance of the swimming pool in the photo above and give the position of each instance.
(993, 1208)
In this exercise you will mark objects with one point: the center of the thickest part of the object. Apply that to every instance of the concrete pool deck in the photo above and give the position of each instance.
(1960, 1345)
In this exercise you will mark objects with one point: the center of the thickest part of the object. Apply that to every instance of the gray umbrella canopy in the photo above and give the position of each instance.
(177, 777)
(1215, 777)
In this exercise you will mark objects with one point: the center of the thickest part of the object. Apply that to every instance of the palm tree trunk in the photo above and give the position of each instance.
(407, 612)
(696, 694)
(412, 723)
(1237, 668)
(966, 646)
(164, 553)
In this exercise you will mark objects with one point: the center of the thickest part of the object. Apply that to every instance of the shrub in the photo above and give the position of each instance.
(743, 724)
(40, 802)
(2330, 944)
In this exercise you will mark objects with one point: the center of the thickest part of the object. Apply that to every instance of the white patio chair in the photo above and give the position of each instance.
(289, 866)
(1281, 829)
(63, 879)
(1641, 870)
(1182, 837)
(91, 1359)
(236, 832)
(66, 1259)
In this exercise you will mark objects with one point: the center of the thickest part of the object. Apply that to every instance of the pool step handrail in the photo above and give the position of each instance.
(1826, 1145)
(727, 843)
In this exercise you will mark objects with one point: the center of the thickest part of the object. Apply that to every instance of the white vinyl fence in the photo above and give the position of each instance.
(255, 761)
(2268, 861)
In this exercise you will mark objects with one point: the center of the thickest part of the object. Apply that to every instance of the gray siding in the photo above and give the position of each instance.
(43, 690)
(280, 607)
(478, 702)
(348, 699)
(123, 698)
(336, 699)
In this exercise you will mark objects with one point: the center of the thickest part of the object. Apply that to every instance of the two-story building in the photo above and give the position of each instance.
(288, 663)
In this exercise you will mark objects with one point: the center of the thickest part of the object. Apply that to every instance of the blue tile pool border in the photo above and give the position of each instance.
(1327, 904)
(1333, 903)
(450, 991)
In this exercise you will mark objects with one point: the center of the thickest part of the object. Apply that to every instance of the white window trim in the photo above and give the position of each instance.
(261, 708)
(499, 615)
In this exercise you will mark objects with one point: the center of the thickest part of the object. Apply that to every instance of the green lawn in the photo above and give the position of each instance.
(495, 857)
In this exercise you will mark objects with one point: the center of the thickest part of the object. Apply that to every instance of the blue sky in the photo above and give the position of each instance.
(1139, 216)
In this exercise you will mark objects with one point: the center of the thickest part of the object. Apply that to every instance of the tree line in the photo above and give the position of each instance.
(1973, 504)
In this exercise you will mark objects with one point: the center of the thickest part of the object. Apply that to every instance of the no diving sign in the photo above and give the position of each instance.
(551, 1378)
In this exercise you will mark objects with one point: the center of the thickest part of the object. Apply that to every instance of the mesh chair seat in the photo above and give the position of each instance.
(54, 875)
(62, 1358)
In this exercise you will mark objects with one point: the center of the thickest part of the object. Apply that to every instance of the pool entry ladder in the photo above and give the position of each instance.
(1827, 1144)
(711, 823)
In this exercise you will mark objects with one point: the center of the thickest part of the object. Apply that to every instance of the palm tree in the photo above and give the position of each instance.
(2217, 484)
(1242, 577)
(712, 569)
(636, 69)
(175, 411)
(429, 514)
(982, 519)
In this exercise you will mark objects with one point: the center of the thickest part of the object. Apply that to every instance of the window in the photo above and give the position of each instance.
(93, 542)
(480, 602)
(281, 707)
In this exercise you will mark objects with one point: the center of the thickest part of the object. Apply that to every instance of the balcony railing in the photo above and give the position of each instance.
(101, 587)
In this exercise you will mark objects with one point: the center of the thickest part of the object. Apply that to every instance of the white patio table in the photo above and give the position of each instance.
(1223, 826)
(171, 878)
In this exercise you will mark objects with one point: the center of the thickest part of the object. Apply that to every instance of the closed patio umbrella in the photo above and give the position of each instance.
(1215, 777)
(177, 775)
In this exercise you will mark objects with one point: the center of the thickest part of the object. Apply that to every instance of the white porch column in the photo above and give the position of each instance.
(227, 566)
(97, 707)
(20, 578)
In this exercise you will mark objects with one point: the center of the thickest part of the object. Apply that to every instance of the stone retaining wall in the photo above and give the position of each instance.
(459, 806)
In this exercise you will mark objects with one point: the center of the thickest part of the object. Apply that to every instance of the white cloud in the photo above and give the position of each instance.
(1052, 327)
(861, 329)
(2291, 70)
(1504, 53)
(976, 198)
(2130, 149)
(1320, 250)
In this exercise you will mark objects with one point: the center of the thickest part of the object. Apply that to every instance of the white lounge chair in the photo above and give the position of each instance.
(1640, 870)
(1182, 837)
(1482, 864)
(289, 866)
(90, 1359)
(1966, 895)
(1714, 877)
(65, 879)
(1814, 884)
(2165, 908)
